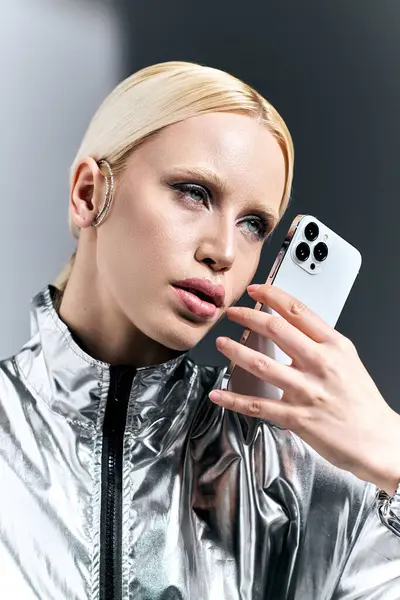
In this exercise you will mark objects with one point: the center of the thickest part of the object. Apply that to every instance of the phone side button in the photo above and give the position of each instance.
(225, 382)
(276, 266)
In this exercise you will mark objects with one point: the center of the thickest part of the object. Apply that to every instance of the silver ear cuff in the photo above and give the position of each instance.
(102, 214)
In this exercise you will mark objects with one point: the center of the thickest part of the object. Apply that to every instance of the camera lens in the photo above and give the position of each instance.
(311, 232)
(302, 251)
(320, 251)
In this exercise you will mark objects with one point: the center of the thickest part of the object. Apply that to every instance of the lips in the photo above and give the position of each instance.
(201, 297)
(204, 289)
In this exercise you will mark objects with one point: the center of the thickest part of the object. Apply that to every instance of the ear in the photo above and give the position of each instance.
(87, 192)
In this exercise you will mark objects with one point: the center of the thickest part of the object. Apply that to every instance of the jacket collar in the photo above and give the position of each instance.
(72, 383)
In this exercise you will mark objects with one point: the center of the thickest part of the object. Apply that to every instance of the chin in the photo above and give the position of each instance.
(178, 332)
(183, 338)
(182, 344)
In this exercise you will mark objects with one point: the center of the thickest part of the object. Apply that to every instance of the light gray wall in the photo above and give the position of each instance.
(58, 60)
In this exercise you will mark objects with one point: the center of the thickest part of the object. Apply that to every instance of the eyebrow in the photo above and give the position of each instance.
(208, 176)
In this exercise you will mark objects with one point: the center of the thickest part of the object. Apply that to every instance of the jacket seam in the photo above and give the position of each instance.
(96, 475)
(31, 387)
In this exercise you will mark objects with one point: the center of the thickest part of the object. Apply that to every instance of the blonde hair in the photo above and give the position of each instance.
(163, 94)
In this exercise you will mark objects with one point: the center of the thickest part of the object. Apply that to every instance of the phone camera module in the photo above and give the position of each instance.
(302, 252)
(311, 231)
(320, 251)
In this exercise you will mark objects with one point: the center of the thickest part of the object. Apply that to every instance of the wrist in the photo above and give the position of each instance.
(386, 471)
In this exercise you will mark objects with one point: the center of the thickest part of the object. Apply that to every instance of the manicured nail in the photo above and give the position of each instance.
(253, 287)
(215, 395)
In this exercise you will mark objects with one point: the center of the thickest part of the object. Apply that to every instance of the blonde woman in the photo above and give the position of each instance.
(120, 478)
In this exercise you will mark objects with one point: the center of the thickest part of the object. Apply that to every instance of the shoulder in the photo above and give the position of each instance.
(9, 376)
(10, 393)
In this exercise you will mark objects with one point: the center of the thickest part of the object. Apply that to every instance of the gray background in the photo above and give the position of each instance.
(330, 67)
(58, 59)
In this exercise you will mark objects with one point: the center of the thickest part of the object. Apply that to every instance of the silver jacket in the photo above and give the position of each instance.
(130, 484)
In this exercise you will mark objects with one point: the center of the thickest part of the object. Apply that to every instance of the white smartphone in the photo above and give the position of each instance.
(316, 266)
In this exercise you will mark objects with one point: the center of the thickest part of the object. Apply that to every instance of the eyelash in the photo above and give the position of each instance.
(184, 188)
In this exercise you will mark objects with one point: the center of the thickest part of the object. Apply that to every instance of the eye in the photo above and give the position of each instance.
(193, 192)
(258, 227)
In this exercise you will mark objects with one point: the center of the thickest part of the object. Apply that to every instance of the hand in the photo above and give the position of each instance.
(329, 399)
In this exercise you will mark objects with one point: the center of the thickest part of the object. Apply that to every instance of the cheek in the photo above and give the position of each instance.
(242, 274)
(144, 240)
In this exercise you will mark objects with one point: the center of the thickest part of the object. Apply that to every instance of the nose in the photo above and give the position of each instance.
(217, 246)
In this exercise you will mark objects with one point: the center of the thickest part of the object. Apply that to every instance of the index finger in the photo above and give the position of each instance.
(294, 311)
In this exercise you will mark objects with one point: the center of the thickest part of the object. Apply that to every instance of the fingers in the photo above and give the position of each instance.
(295, 312)
(274, 411)
(290, 340)
(282, 376)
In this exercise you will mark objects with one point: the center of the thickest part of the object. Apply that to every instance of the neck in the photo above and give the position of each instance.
(101, 329)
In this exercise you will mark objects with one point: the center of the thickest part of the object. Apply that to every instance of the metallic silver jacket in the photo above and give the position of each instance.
(122, 484)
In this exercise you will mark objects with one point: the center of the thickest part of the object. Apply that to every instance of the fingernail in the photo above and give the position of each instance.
(253, 287)
(215, 395)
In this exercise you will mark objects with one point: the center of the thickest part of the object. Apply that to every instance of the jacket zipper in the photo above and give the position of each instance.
(111, 483)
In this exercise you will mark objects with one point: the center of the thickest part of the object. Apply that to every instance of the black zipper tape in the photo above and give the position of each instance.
(111, 483)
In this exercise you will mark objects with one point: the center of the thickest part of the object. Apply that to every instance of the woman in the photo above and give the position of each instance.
(120, 479)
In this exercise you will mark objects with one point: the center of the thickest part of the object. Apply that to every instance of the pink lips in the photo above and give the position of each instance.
(211, 298)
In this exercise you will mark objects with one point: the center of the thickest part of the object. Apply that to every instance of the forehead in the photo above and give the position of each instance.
(239, 149)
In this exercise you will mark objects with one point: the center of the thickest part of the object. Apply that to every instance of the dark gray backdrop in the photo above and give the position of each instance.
(332, 70)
